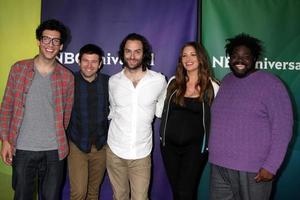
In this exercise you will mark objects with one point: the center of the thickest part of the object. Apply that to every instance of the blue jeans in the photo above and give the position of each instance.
(228, 184)
(42, 166)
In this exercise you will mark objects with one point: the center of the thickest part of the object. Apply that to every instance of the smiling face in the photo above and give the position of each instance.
(133, 54)
(242, 62)
(189, 59)
(89, 65)
(49, 49)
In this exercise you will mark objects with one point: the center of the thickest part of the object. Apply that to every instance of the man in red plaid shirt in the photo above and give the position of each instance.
(34, 114)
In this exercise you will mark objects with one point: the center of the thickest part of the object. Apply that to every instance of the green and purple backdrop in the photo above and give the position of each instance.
(168, 25)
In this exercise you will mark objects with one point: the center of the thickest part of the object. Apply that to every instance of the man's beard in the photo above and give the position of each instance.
(135, 67)
(242, 74)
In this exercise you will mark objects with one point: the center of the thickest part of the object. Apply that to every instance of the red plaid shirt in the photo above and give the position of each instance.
(12, 108)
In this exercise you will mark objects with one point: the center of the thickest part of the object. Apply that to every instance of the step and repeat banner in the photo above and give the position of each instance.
(276, 23)
(166, 24)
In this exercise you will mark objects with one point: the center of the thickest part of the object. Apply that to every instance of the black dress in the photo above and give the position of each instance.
(182, 156)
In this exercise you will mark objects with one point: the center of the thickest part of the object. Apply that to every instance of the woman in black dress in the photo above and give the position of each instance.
(185, 121)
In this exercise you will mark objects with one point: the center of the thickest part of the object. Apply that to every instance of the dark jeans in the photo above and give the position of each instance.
(42, 169)
(184, 166)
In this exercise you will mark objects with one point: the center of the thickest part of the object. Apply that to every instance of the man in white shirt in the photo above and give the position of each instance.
(135, 95)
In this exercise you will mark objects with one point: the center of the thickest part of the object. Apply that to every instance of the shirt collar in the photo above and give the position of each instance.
(55, 71)
(82, 79)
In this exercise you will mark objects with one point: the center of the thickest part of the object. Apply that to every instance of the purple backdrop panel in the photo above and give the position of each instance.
(166, 24)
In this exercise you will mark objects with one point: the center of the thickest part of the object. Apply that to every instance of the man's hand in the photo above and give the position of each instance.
(263, 175)
(6, 153)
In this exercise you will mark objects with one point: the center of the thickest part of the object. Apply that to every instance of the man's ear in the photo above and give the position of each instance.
(100, 64)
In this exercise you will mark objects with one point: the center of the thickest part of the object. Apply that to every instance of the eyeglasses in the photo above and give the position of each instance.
(47, 40)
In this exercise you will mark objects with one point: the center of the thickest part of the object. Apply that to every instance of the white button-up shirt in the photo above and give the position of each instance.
(132, 110)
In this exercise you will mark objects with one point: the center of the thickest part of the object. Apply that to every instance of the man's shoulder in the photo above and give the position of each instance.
(26, 63)
(269, 80)
(157, 75)
(64, 70)
(104, 76)
(227, 76)
(115, 77)
(267, 76)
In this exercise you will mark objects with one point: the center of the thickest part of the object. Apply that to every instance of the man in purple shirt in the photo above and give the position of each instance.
(251, 126)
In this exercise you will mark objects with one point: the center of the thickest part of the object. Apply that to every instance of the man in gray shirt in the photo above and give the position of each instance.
(34, 114)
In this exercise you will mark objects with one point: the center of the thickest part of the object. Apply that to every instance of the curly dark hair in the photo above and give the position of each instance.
(91, 49)
(54, 25)
(204, 76)
(147, 49)
(242, 39)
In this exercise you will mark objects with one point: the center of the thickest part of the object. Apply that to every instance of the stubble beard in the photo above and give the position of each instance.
(242, 74)
(133, 68)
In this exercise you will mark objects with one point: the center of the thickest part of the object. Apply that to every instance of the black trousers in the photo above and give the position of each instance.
(184, 166)
(37, 169)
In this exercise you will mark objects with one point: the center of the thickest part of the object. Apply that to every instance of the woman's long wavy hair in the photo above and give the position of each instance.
(204, 75)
